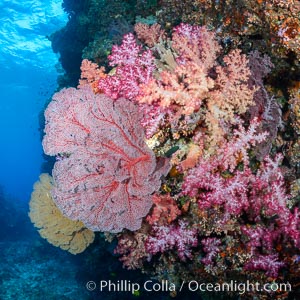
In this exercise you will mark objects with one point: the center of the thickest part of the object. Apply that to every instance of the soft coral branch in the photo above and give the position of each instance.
(134, 66)
(177, 237)
(267, 263)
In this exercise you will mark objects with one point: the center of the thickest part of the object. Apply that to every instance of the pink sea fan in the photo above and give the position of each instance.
(108, 175)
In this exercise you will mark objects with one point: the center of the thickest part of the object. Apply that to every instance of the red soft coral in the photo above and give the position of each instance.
(165, 210)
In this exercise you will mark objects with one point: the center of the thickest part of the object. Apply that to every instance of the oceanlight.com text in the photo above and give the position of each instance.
(235, 286)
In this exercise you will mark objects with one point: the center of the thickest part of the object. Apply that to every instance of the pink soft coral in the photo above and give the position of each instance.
(187, 87)
(132, 249)
(90, 74)
(260, 236)
(189, 77)
(195, 44)
(153, 117)
(149, 34)
(191, 82)
(199, 83)
(217, 181)
(134, 66)
(231, 153)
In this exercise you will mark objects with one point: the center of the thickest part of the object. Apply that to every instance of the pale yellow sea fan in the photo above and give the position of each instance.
(58, 230)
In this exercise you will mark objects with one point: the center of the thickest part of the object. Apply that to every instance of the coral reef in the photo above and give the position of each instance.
(182, 139)
(209, 110)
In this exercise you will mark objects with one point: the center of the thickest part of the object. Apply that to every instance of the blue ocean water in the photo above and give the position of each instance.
(28, 76)
(30, 268)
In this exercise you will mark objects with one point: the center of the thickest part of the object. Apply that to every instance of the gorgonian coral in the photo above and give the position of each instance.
(58, 230)
(107, 173)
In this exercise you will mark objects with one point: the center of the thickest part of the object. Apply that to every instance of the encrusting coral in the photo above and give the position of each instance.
(58, 230)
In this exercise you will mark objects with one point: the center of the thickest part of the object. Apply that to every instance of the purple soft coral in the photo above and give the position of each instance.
(212, 247)
(267, 263)
(173, 236)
